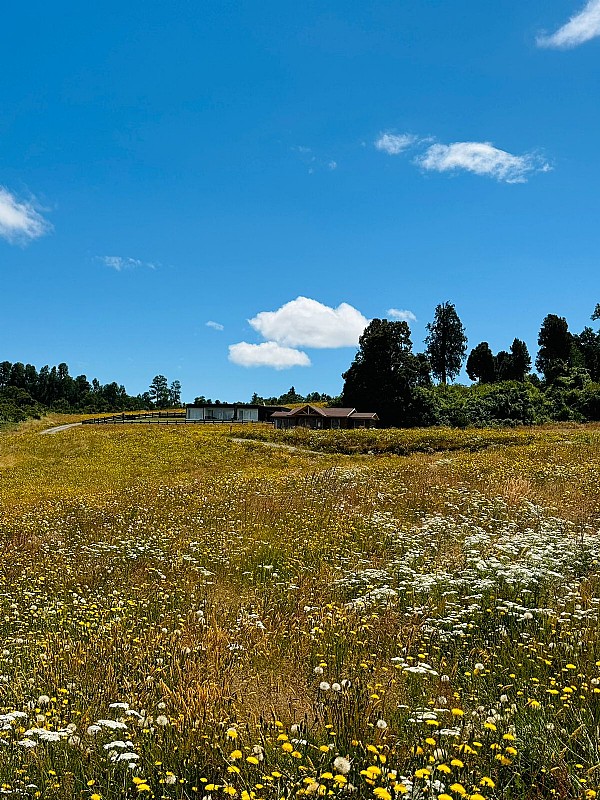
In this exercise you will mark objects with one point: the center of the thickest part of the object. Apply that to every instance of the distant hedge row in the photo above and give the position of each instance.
(397, 441)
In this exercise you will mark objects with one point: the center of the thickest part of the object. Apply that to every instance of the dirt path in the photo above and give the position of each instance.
(279, 446)
(302, 450)
(59, 428)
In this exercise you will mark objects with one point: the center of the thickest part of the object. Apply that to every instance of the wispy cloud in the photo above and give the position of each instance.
(267, 354)
(121, 263)
(307, 323)
(482, 158)
(393, 143)
(215, 325)
(579, 29)
(20, 222)
(400, 314)
(313, 161)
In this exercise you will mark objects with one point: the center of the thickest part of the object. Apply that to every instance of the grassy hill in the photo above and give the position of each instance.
(184, 615)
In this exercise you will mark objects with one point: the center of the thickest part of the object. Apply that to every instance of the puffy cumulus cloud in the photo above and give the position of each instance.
(393, 144)
(401, 314)
(216, 326)
(267, 354)
(481, 158)
(308, 323)
(579, 29)
(19, 220)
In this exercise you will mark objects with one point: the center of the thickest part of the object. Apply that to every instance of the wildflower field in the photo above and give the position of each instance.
(187, 615)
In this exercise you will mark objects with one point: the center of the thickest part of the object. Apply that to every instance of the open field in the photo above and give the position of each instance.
(183, 615)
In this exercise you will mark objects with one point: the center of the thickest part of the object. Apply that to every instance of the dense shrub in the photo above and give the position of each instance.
(17, 405)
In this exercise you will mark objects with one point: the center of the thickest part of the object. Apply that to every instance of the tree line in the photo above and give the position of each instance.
(386, 376)
(26, 392)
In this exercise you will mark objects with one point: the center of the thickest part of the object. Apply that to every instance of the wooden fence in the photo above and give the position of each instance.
(161, 418)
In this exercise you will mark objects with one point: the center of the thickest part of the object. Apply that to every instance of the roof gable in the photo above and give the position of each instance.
(307, 411)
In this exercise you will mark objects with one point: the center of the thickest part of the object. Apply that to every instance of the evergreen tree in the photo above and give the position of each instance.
(446, 343)
(291, 397)
(481, 365)
(555, 341)
(384, 372)
(175, 394)
(5, 369)
(159, 391)
(503, 362)
(588, 345)
(520, 360)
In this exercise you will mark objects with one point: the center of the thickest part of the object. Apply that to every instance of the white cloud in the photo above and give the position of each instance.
(579, 29)
(267, 354)
(120, 263)
(482, 158)
(393, 144)
(398, 313)
(215, 325)
(19, 221)
(308, 323)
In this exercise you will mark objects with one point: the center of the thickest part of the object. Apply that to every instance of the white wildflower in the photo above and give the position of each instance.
(342, 765)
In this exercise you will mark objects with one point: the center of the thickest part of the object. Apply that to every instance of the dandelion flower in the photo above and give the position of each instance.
(382, 794)
(342, 765)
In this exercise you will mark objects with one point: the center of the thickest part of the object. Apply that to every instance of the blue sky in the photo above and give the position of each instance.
(166, 165)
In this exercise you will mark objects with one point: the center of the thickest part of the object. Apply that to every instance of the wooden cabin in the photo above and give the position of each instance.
(313, 417)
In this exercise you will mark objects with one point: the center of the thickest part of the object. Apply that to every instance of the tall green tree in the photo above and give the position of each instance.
(588, 345)
(481, 365)
(175, 394)
(384, 372)
(555, 342)
(446, 343)
(520, 360)
(159, 391)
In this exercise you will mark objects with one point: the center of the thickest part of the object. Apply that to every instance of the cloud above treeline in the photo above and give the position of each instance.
(307, 323)
(267, 354)
(302, 322)
(401, 314)
(580, 28)
(479, 158)
(20, 221)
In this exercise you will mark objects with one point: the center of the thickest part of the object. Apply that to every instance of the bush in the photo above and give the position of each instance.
(16, 405)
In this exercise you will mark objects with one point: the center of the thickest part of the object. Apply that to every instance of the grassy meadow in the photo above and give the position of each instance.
(410, 613)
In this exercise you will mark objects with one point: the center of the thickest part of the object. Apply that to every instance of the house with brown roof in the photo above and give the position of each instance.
(313, 417)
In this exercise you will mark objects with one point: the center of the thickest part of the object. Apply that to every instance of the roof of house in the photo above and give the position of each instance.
(331, 413)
